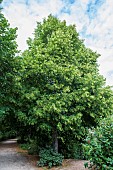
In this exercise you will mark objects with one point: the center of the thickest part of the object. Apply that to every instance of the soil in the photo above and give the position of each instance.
(14, 158)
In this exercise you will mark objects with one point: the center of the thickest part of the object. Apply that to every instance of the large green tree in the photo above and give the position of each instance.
(8, 48)
(62, 90)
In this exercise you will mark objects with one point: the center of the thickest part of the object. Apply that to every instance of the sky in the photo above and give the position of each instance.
(93, 20)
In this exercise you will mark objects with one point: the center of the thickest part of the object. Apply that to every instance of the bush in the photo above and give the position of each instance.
(99, 147)
(7, 134)
(72, 149)
(76, 151)
(31, 146)
(48, 157)
(25, 146)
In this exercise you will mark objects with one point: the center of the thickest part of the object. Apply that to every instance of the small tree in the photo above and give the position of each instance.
(61, 84)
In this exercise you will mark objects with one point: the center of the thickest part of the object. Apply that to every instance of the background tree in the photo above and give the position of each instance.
(62, 90)
(8, 48)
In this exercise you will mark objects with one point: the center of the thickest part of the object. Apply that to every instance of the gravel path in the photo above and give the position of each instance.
(10, 159)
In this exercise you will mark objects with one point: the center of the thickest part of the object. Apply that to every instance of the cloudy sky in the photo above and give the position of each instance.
(93, 20)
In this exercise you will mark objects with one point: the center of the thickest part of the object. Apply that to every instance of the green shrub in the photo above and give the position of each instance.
(73, 149)
(25, 146)
(1, 136)
(99, 147)
(48, 157)
(76, 151)
(33, 147)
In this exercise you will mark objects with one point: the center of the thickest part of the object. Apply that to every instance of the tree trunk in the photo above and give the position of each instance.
(55, 140)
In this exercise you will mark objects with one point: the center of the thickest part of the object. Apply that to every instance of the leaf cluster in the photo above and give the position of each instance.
(48, 157)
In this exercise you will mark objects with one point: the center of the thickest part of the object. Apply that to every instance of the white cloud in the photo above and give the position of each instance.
(19, 16)
(25, 16)
(101, 30)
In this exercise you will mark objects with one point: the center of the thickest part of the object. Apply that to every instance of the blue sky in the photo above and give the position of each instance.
(93, 20)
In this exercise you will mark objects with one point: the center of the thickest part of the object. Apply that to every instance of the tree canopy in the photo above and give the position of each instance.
(61, 88)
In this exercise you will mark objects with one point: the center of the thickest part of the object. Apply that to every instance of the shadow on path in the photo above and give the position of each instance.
(11, 143)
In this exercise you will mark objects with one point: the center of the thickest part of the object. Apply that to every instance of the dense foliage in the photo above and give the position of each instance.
(48, 157)
(61, 89)
(99, 146)
(8, 49)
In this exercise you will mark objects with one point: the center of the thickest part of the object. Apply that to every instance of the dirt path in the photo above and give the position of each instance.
(13, 158)
(10, 159)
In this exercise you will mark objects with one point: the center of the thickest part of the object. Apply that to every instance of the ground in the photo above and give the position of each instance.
(12, 157)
